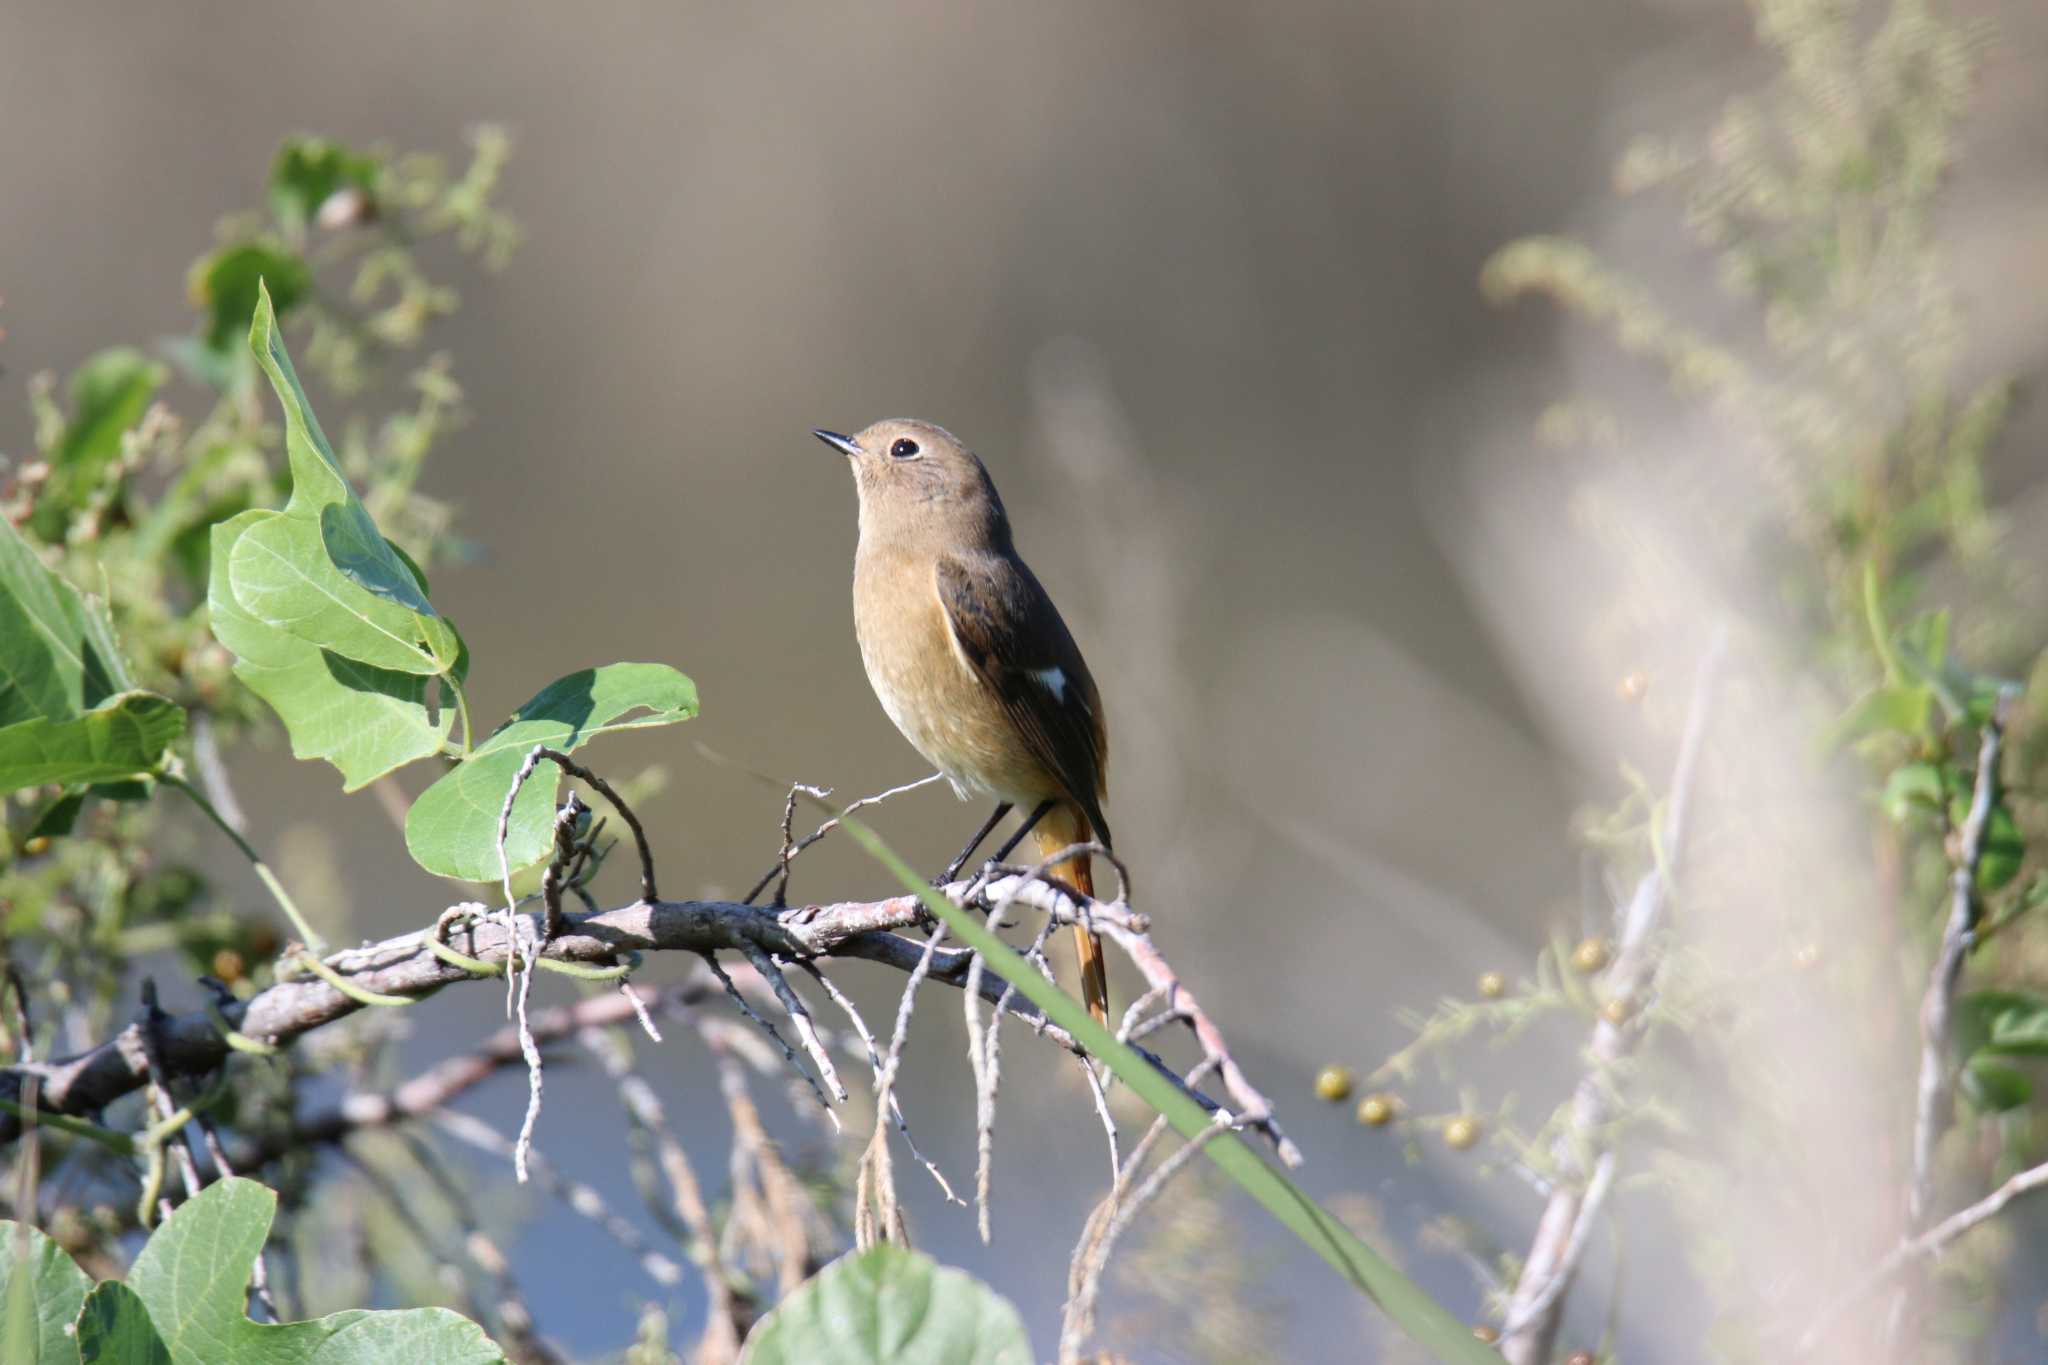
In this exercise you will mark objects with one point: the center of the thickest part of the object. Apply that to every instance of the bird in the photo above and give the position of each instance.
(969, 656)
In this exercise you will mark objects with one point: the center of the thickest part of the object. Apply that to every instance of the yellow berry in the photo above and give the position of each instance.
(1485, 1333)
(1617, 1011)
(228, 965)
(1493, 985)
(1590, 956)
(37, 847)
(1376, 1111)
(1461, 1132)
(1333, 1083)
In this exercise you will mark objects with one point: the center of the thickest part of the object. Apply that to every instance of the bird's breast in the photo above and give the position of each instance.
(929, 690)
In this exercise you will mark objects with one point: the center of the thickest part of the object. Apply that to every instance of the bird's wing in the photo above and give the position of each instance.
(1012, 637)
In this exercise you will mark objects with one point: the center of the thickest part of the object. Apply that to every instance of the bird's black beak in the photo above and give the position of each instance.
(843, 444)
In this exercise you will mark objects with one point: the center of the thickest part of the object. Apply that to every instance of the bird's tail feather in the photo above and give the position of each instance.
(1062, 827)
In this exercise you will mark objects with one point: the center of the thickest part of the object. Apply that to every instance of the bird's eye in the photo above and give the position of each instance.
(904, 448)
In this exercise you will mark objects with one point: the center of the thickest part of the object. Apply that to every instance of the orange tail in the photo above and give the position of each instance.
(1064, 825)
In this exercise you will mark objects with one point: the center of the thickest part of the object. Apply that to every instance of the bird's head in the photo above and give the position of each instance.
(916, 480)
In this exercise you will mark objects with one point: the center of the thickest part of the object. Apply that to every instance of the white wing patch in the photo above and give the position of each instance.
(1052, 680)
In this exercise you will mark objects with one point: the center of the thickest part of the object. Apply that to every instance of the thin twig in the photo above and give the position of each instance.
(1928, 1243)
(1536, 1305)
(1112, 1219)
(582, 1198)
(790, 852)
(788, 1052)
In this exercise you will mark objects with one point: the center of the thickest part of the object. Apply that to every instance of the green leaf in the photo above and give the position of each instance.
(125, 736)
(1900, 709)
(890, 1306)
(1994, 1086)
(109, 394)
(452, 829)
(57, 653)
(2004, 1023)
(1915, 786)
(226, 284)
(114, 1329)
(365, 721)
(308, 171)
(281, 574)
(320, 491)
(1421, 1317)
(193, 1277)
(41, 1290)
(59, 817)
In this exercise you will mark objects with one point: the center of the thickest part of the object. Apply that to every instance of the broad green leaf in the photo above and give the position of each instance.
(57, 654)
(1899, 709)
(109, 394)
(365, 721)
(308, 171)
(1994, 1086)
(452, 829)
(125, 736)
(1914, 786)
(890, 1306)
(114, 1329)
(320, 491)
(193, 1276)
(225, 285)
(41, 1290)
(281, 575)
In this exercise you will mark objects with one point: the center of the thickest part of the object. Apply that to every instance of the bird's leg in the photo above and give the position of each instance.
(953, 868)
(1023, 829)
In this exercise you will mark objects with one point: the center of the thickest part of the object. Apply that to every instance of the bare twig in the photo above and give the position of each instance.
(793, 1005)
(1536, 1305)
(1928, 1243)
(1111, 1219)
(876, 1214)
(1933, 1099)
(790, 851)
(721, 1340)
(867, 1040)
(580, 1197)
(788, 1052)
(1937, 1008)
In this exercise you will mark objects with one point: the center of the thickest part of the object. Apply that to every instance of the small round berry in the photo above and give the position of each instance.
(37, 847)
(1618, 1011)
(1485, 1333)
(1461, 1133)
(1333, 1083)
(1376, 1111)
(228, 965)
(1493, 986)
(1590, 956)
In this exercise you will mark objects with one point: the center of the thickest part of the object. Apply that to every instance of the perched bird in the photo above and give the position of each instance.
(969, 656)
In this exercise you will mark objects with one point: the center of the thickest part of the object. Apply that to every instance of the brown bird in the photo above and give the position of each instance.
(969, 656)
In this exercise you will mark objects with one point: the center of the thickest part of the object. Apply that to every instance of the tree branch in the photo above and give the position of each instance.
(194, 1043)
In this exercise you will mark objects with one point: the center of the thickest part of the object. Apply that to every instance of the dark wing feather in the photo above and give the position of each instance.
(1011, 634)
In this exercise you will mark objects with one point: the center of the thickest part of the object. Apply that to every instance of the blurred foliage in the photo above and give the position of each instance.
(1816, 198)
(117, 687)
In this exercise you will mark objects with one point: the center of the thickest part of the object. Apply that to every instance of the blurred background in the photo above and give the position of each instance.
(1201, 283)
